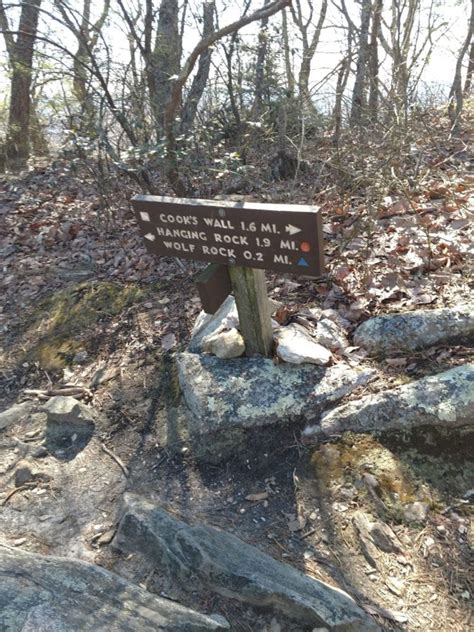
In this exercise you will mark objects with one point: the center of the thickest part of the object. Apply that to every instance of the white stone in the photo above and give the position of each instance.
(296, 346)
(225, 344)
(416, 512)
(329, 335)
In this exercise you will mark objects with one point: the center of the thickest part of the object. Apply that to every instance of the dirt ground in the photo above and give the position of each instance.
(109, 328)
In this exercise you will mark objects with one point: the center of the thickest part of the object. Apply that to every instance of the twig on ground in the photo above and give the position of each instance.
(115, 458)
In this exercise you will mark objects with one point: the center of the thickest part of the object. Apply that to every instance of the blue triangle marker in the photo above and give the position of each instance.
(303, 262)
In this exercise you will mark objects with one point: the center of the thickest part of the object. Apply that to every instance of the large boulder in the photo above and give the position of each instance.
(226, 397)
(444, 400)
(229, 566)
(46, 594)
(407, 332)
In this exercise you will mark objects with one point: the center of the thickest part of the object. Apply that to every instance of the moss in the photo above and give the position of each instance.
(63, 322)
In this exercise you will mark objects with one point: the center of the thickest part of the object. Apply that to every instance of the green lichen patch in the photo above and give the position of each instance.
(405, 474)
(72, 320)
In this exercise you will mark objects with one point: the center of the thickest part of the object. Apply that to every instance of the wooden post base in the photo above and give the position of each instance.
(250, 292)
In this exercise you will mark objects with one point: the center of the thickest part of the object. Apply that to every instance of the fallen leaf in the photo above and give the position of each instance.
(168, 342)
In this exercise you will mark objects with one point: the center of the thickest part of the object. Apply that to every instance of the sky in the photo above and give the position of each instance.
(439, 70)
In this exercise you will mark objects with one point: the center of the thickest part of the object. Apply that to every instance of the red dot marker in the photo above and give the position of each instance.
(305, 247)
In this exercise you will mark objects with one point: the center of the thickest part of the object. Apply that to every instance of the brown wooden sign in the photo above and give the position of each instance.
(283, 237)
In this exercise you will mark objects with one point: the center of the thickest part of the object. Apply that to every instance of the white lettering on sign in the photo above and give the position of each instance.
(176, 245)
(288, 245)
(268, 228)
(219, 223)
(292, 230)
(281, 259)
(179, 219)
(181, 233)
(238, 240)
(223, 252)
(145, 216)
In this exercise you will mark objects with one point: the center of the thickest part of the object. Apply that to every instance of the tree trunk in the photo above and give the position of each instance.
(260, 67)
(469, 74)
(360, 84)
(374, 61)
(164, 62)
(20, 56)
(290, 78)
(200, 79)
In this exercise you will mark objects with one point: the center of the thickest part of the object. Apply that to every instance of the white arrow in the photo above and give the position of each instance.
(292, 230)
(150, 236)
(144, 215)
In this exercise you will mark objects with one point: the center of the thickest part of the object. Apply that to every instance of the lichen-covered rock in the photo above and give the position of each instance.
(295, 345)
(415, 330)
(225, 344)
(226, 397)
(39, 593)
(445, 400)
(226, 564)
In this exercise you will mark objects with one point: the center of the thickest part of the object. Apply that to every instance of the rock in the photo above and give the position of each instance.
(226, 398)
(226, 317)
(40, 452)
(14, 414)
(415, 512)
(227, 565)
(207, 325)
(25, 473)
(295, 345)
(224, 344)
(80, 357)
(330, 335)
(445, 400)
(375, 534)
(46, 594)
(70, 425)
(415, 330)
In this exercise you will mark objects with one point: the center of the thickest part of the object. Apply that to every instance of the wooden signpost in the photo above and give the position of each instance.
(246, 237)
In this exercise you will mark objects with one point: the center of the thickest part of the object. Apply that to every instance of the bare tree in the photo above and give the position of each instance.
(260, 66)
(174, 103)
(456, 95)
(309, 44)
(360, 83)
(87, 35)
(200, 78)
(374, 60)
(20, 50)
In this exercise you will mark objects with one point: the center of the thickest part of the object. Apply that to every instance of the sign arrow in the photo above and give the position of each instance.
(150, 236)
(292, 230)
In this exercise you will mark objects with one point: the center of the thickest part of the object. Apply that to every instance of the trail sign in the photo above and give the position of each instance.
(282, 237)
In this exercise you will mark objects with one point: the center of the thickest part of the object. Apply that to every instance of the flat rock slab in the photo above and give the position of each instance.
(226, 397)
(46, 594)
(415, 330)
(445, 400)
(232, 568)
